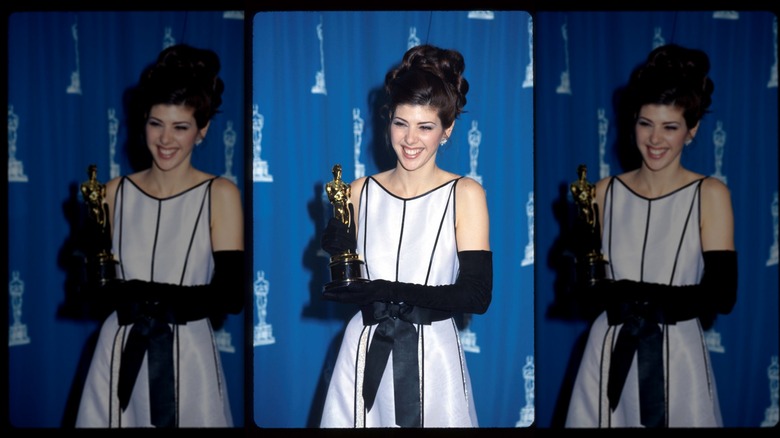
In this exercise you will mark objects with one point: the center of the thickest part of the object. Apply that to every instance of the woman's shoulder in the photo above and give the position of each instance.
(469, 185)
(358, 183)
(223, 186)
(714, 189)
(469, 191)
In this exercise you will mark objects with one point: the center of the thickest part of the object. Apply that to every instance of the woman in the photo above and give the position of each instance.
(178, 236)
(668, 236)
(423, 234)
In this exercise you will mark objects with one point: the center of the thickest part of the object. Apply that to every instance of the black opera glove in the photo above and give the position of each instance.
(715, 294)
(180, 304)
(338, 238)
(471, 292)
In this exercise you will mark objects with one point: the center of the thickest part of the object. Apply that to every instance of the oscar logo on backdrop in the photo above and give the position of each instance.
(345, 268)
(591, 266)
(101, 264)
(17, 332)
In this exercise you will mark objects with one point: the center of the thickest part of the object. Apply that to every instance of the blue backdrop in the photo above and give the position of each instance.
(67, 75)
(317, 77)
(317, 80)
(581, 59)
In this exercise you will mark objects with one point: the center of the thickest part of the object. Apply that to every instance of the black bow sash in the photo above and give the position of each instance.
(150, 333)
(396, 332)
(640, 334)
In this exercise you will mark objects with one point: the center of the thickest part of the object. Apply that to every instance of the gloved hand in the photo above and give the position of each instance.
(715, 294)
(471, 292)
(223, 295)
(339, 238)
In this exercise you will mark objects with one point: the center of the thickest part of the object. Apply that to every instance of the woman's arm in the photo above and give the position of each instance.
(227, 217)
(717, 217)
(472, 223)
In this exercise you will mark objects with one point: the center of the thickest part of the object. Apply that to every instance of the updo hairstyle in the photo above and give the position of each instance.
(429, 76)
(184, 75)
(673, 75)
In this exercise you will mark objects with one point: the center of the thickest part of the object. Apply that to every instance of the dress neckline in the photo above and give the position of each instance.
(422, 195)
(189, 189)
(666, 195)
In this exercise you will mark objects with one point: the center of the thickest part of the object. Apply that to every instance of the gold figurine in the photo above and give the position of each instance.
(94, 194)
(590, 260)
(345, 268)
(339, 194)
(101, 263)
(584, 193)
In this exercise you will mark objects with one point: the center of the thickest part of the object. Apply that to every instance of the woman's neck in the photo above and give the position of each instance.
(409, 184)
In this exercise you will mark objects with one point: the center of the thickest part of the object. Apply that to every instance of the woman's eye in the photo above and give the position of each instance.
(398, 123)
(426, 128)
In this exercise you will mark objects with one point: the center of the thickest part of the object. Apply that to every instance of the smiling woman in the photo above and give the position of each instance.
(178, 235)
(668, 236)
(426, 261)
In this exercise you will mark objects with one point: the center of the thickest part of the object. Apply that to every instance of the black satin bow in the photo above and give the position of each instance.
(640, 334)
(398, 335)
(150, 333)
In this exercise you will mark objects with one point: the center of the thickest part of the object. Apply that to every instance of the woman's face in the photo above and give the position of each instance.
(415, 133)
(661, 134)
(171, 134)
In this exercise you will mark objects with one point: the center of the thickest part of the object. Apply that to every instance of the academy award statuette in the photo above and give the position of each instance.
(345, 268)
(591, 266)
(101, 264)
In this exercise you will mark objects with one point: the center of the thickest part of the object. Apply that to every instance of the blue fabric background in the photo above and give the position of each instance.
(97, 56)
(598, 50)
(305, 133)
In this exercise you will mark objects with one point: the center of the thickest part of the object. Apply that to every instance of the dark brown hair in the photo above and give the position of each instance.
(431, 76)
(184, 75)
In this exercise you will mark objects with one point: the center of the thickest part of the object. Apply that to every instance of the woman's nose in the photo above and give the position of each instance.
(655, 135)
(410, 137)
(165, 136)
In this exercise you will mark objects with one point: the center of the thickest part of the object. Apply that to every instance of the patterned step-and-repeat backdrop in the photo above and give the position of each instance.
(67, 76)
(317, 78)
(581, 59)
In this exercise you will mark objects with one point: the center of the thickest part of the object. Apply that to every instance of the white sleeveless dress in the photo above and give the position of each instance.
(408, 240)
(167, 241)
(658, 241)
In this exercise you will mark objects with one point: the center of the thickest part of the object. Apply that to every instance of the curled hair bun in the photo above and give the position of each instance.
(444, 63)
(183, 74)
(429, 75)
(673, 74)
(186, 62)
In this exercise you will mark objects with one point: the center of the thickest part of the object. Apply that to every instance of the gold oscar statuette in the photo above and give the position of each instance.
(591, 266)
(347, 267)
(101, 264)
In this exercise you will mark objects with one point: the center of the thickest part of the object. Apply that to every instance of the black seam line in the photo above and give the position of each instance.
(364, 207)
(644, 240)
(607, 334)
(156, 235)
(684, 230)
(178, 371)
(455, 211)
(438, 232)
(120, 330)
(611, 197)
(400, 241)
(206, 196)
(117, 196)
(421, 343)
(368, 328)
(668, 379)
